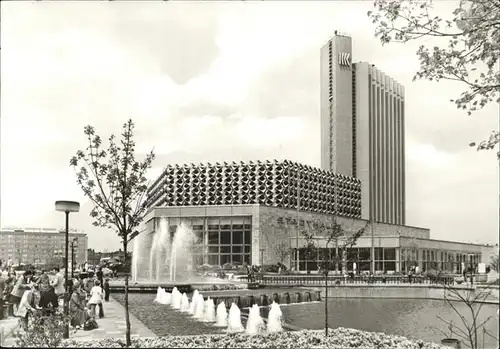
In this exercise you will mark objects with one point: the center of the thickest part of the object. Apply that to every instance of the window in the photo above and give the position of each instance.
(390, 254)
(213, 259)
(364, 254)
(225, 249)
(225, 258)
(213, 249)
(237, 237)
(248, 238)
(237, 249)
(225, 237)
(213, 237)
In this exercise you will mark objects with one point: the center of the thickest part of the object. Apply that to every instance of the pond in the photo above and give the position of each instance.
(412, 318)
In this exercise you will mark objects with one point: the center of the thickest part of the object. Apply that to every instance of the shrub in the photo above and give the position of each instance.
(227, 266)
(43, 331)
(270, 268)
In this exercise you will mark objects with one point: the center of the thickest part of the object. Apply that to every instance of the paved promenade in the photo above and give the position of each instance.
(111, 326)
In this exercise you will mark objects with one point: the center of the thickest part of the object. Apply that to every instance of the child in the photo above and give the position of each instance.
(96, 296)
(106, 289)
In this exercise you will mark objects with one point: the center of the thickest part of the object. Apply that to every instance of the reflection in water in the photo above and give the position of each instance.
(410, 318)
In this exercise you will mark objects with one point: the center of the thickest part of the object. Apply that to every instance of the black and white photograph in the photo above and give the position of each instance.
(250, 174)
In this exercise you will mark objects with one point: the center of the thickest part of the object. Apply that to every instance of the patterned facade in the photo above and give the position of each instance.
(284, 184)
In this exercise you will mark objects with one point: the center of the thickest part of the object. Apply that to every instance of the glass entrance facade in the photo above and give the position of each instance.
(221, 240)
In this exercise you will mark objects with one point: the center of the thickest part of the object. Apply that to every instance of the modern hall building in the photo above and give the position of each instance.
(362, 129)
(252, 212)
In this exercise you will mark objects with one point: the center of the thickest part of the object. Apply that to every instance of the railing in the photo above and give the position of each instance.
(297, 280)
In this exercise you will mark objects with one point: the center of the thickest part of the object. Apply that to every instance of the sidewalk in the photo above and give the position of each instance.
(111, 326)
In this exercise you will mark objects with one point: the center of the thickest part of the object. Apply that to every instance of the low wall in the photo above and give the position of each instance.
(394, 292)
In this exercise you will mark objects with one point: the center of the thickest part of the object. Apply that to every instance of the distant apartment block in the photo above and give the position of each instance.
(40, 245)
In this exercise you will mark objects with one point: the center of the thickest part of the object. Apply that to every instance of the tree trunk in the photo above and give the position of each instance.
(127, 317)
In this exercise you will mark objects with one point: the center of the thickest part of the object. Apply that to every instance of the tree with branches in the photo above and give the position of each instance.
(495, 263)
(470, 57)
(469, 327)
(116, 184)
(281, 251)
(330, 232)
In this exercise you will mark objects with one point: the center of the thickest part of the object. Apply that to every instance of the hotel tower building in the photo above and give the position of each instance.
(362, 130)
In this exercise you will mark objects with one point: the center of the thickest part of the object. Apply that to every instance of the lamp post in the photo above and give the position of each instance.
(75, 240)
(66, 207)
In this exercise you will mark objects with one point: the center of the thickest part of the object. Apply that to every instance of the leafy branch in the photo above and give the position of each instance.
(470, 57)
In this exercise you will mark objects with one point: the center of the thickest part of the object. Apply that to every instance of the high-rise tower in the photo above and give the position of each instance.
(362, 130)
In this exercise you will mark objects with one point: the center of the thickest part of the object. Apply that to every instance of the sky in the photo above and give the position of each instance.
(216, 81)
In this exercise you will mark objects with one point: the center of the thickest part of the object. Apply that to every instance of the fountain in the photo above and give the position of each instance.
(184, 303)
(159, 295)
(221, 317)
(167, 251)
(200, 308)
(176, 298)
(209, 310)
(274, 318)
(136, 255)
(194, 299)
(234, 321)
(166, 297)
(255, 324)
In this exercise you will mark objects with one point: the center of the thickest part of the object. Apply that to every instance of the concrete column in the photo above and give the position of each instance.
(398, 259)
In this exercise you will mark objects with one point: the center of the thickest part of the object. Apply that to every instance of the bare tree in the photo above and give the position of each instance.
(330, 232)
(281, 251)
(470, 327)
(116, 183)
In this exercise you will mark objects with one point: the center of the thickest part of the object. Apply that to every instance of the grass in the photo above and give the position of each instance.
(163, 320)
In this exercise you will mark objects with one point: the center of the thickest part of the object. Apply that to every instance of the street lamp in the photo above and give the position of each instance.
(75, 241)
(66, 207)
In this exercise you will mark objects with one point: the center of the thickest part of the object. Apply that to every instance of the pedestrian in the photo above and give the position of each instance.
(21, 285)
(49, 301)
(43, 281)
(58, 283)
(77, 307)
(100, 275)
(29, 304)
(96, 297)
(106, 289)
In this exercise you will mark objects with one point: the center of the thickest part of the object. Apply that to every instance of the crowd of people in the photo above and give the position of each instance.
(42, 293)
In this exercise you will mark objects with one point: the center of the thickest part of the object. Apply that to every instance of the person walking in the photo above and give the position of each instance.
(96, 297)
(106, 289)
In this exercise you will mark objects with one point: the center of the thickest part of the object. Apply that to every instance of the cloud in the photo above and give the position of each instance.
(215, 81)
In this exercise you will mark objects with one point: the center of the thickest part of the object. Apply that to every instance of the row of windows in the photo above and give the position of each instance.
(221, 259)
(353, 254)
(228, 249)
